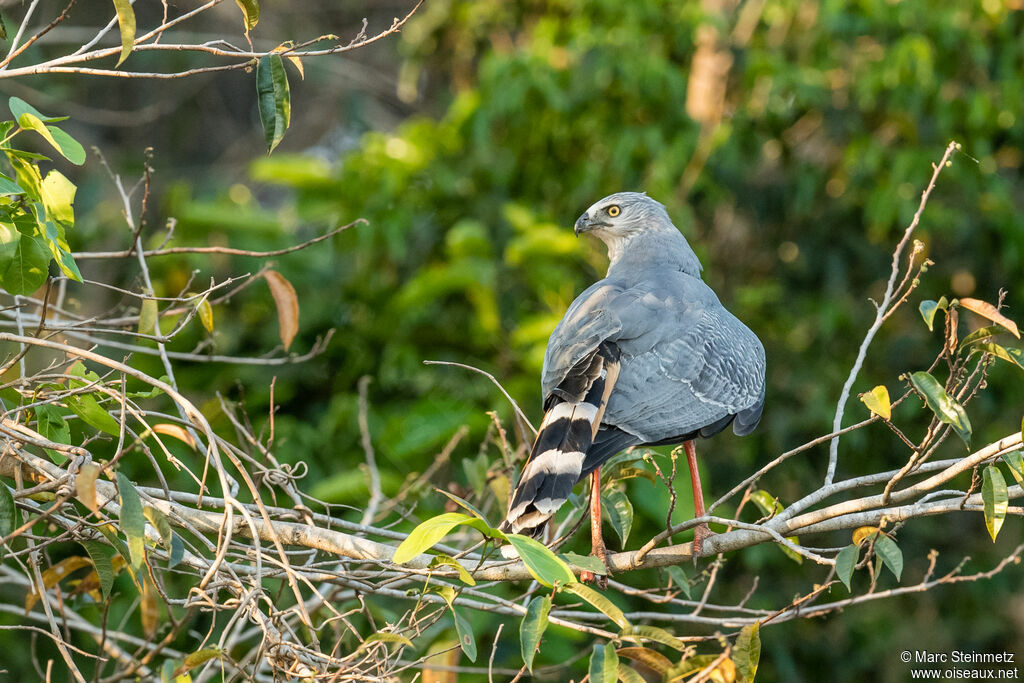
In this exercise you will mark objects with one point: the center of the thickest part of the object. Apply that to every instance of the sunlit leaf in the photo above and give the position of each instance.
(274, 99)
(654, 634)
(174, 431)
(287, 303)
(429, 532)
(877, 401)
(200, 657)
(1015, 462)
(1010, 355)
(69, 148)
(85, 483)
(250, 13)
(890, 554)
(386, 638)
(627, 674)
(132, 521)
(945, 407)
(615, 504)
(987, 310)
(147, 317)
(589, 563)
(599, 601)
(929, 308)
(746, 652)
(981, 334)
(56, 574)
(149, 608)
(604, 664)
(543, 565)
(463, 503)
(446, 561)
(532, 628)
(205, 312)
(126, 25)
(846, 560)
(767, 503)
(995, 499)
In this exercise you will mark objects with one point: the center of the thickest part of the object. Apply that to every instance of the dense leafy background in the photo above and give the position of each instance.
(470, 146)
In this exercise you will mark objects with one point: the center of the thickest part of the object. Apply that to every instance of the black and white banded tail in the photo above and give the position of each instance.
(572, 417)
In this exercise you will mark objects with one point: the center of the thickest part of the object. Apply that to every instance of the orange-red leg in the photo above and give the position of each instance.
(596, 539)
(701, 531)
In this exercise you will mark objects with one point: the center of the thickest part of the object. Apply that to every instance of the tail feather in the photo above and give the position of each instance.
(556, 460)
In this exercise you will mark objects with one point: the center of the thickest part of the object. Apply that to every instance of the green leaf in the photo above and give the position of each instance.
(58, 139)
(51, 424)
(1014, 461)
(92, 413)
(19, 106)
(589, 563)
(981, 334)
(464, 504)
(599, 601)
(945, 407)
(446, 561)
(846, 560)
(108, 532)
(198, 658)
(652, 633)
(877, 401)
(604, 664)
(126, 24)
(629, 675)
(746, 652)
(543, 565)
(28, 268)
(8, 512)
(768, 504)
(386, 638)
(928, 309)
(100, 557)
(1012, 356)
(619, 510)
(890, 554)
(274, 99)
(428, 533)
(147, 317)
(465, 630)
(680, 579)
(652, 659)
(159, 521)
(8, 187)
(250, 13)
(71, 148)
(995, 498)
(132, 521)
(789, 552)
(58, 197)
(532, 628)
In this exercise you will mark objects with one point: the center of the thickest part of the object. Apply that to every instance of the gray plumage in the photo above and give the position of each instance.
(683, 365)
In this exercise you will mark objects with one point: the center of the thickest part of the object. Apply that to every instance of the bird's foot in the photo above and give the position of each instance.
(701, 533)
(599, 580)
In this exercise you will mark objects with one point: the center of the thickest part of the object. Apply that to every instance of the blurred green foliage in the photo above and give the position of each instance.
(833, 114)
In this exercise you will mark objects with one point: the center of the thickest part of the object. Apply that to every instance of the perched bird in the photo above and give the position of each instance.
(646, 356)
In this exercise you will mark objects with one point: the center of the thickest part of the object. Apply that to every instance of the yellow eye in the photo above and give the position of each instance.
(614, 211)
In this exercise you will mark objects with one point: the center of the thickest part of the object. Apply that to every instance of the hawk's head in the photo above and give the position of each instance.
(622, 214)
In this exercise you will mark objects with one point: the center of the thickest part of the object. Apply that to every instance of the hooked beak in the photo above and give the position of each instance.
(583, 224)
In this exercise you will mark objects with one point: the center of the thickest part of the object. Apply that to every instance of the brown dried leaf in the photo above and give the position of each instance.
(287, 303)
(149, 608)
(55, 574)
(175, 431)
(86, 483)
(987, 310)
